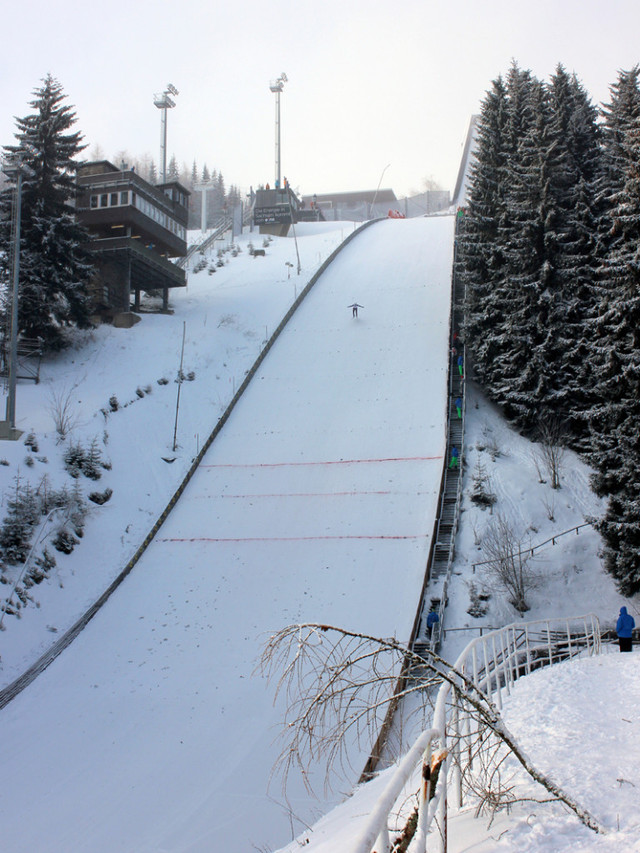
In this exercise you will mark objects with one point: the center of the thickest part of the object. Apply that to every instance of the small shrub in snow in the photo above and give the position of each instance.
(139, 392)
(4, 462)
(23, 513)
(62, 412)
(478, 602)
(28, 461)
(73, 459)
(481, 493)
(31, 442)
(114, 405)
(78, 460)
(100, 497)
(64, 541)
(163, 380)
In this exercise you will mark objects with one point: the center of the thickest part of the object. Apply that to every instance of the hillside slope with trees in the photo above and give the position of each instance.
(548, 250)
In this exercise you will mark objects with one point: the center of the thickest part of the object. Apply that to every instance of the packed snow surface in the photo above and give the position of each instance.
(151, 731)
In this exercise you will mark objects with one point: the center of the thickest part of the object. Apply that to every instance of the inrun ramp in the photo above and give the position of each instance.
(315, 503)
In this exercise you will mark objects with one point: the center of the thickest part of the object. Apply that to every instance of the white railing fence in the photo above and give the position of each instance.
(492, 662)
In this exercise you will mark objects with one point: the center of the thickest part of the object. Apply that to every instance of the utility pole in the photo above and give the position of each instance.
(8, 427)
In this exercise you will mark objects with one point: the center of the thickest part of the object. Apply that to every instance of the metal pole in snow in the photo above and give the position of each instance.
(13, 358)
(175, 429)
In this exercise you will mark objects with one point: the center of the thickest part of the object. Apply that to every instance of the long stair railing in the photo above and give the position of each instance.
(221, 226)
(492, 662)
(440, 561)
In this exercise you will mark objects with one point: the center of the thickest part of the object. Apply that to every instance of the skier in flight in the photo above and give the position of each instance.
(354, 309)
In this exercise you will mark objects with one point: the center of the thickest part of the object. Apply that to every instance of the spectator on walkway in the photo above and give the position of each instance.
(458, 405)
(624, 629)
(460, 364)
(432, 618)
(455, 458)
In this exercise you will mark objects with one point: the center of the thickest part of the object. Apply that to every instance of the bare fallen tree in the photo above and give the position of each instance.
(337, 684)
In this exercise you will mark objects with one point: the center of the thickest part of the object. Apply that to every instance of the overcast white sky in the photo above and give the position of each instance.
(371, 83)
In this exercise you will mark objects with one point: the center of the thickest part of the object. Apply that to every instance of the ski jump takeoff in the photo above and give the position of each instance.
(354, 309)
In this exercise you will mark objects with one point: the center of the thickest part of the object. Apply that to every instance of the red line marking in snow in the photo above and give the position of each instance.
(284, 538)
(328, 462)
(306, 494)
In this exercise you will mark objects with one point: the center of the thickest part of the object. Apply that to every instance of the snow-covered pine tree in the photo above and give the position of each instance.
(173, 171)
(504, 307)
(527, 248)
(616, 360)
(55, 265)
(574, 135)
(479, 259)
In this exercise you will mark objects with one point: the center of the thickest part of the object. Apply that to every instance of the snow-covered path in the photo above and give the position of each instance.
(315, 503)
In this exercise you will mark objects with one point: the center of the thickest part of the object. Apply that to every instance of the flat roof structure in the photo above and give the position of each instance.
(136, 228)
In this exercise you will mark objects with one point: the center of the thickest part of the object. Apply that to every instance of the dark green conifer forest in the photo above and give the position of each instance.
(549, 251)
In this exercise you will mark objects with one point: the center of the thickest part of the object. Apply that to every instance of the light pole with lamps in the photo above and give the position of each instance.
(276, 87)
(163, 102)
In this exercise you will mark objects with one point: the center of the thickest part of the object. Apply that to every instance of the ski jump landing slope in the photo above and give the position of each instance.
(316, 502)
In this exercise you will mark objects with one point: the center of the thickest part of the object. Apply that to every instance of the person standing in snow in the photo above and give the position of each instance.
(624, 629)
(354, 309)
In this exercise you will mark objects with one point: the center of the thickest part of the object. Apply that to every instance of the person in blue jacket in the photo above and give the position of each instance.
(432, 618)
(624, 628)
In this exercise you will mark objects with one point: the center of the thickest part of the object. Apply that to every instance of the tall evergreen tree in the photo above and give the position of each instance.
(616, 364)
(173, 171)
(479, 258)
(574, 134)
(527, 244)
(55, 265)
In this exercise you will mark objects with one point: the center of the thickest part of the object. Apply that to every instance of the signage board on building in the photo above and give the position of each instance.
(277, 214)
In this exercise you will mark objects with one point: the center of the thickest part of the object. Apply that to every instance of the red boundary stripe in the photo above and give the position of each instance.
(285, 538)
(329, 462)
(307, 494)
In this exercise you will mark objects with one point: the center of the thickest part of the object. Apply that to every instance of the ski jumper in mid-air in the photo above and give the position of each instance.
(354, 309)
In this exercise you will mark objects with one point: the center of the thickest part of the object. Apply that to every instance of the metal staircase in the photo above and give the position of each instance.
(441, 556)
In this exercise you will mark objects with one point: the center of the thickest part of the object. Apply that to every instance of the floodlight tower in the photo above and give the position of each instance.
(164, 102)
(276, 87)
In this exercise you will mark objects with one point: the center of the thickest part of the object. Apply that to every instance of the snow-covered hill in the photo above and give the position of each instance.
(133, 739)
(315, 502)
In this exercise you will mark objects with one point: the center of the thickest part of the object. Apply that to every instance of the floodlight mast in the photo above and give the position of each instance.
(164, 102)
(276, 87)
